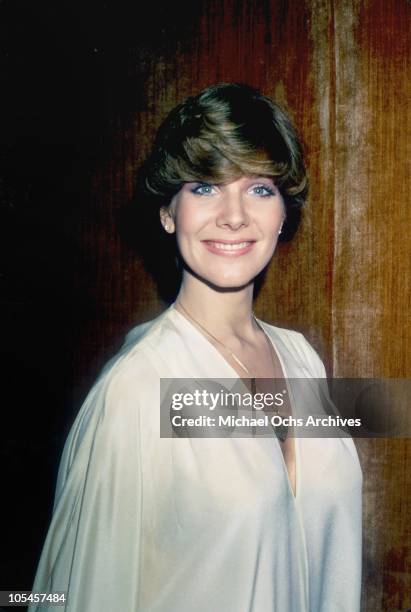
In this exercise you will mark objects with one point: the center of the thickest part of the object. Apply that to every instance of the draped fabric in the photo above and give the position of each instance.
(148, 524)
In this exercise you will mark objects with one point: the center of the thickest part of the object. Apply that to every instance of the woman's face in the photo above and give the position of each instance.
(226, 233)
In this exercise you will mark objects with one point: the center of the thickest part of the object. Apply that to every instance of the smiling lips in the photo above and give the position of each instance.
(229, 247)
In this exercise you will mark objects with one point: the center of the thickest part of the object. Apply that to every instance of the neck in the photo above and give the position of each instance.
(223, 313)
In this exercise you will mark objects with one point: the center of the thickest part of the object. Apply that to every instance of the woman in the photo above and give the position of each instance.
(165, 524)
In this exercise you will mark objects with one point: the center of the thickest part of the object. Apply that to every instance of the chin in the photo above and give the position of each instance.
(230, 274)
(227, 281)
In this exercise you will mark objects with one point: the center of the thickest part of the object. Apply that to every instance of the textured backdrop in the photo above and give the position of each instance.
(87, 84)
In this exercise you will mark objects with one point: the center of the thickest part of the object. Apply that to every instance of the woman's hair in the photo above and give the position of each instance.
(226, 131)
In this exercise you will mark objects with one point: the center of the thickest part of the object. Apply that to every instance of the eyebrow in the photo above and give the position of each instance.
(222, 184)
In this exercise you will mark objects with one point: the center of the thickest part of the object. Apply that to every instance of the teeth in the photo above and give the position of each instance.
(230, 247)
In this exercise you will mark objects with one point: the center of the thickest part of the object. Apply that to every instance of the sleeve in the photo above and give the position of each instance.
(328, 406)
(92, 549)
(318, 372)
(312, 358)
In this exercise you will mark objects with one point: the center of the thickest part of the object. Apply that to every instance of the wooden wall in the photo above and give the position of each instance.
(341, 69)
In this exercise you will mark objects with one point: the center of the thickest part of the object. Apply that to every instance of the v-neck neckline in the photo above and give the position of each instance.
(234, 374)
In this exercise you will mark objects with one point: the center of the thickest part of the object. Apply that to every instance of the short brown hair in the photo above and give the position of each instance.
(227, 131)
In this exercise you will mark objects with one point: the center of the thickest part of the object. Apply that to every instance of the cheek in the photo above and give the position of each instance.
(189, 221)
(271, 222)
(184, 222)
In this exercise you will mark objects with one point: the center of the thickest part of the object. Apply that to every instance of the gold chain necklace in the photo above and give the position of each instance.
(281, 430)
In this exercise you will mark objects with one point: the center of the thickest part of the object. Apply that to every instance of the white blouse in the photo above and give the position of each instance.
(149, 524)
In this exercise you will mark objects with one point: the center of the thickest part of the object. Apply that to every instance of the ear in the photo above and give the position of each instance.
(167, 220)
(282, 223)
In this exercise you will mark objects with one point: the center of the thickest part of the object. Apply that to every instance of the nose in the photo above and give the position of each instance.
(232, 212)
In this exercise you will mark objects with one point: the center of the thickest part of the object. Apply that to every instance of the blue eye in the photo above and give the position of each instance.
(203, 189)
(263, 191)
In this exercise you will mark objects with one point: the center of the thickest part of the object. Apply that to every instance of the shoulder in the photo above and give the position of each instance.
(118, 406)
(134, 341)
(135, 368)
(139, 357)
(122, 385)
(110, 416)
(294, 344)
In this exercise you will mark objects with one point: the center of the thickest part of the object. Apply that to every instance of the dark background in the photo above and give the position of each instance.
(84, 85)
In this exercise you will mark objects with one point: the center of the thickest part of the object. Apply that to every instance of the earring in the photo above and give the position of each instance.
(166, 227)
(280, 230)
